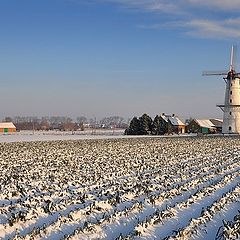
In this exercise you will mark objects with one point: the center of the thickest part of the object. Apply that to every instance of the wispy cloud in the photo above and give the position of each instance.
(225, 5)
(226, 29)
(189, 16)
(203, 28)
(148, 5)
(178, 5)
(233, 22)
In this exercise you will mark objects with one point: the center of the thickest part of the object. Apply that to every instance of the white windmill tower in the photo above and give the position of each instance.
(231, 107)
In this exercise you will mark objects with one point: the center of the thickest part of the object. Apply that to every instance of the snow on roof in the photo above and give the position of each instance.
(7, 125)
(205, 123)
(217, 119)
(165, 117)
(217, 122)
(174, 120)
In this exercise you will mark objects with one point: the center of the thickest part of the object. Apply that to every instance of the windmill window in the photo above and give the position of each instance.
(231, 92)
(230, 113)
(230, 100)
(230, 128)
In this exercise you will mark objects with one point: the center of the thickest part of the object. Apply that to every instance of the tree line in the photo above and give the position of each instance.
(65, 123)
(144, 125)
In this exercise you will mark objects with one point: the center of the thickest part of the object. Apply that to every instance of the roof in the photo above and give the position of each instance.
(7, 125)
(217, 122)
(174, 120)
(205, 123)
(165, 117)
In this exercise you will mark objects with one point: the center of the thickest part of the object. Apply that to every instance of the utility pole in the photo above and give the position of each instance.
(33, 126)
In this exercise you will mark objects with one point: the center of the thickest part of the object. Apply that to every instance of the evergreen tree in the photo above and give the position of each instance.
(134, 127)
(163, 128)
(145, 124)
(156, 126)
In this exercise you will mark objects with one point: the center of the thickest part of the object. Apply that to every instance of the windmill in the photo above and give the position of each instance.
(231, 106)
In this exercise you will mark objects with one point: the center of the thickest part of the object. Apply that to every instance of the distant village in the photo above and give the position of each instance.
(163, 124)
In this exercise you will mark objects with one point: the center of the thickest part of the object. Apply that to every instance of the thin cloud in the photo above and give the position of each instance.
(213, 29)
(225, 5)
(189, 16)
(178, 5)
(203, 28)
(148, 5)
(233, 22)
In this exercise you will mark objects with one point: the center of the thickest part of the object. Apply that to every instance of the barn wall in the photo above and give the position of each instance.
(10, 130)
(193, 127)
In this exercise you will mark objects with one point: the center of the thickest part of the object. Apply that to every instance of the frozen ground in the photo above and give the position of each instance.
(134, 188)
(29, 136)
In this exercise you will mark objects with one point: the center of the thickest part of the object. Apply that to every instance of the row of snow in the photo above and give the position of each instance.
(140, 188)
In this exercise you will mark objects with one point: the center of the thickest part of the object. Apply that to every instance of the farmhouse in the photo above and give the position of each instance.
(172, 124)
(7, 127)
(205, 126)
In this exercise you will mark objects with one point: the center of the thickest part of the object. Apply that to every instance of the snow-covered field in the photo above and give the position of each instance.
(134, 188)
(30, 136)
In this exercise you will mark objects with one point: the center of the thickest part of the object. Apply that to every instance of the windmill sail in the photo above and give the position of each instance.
(232, 59)
(213, 73)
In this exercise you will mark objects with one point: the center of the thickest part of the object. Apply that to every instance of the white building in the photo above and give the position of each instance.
(231, 116)
(231, 107)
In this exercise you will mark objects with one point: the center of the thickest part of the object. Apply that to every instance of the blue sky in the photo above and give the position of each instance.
(114, 57)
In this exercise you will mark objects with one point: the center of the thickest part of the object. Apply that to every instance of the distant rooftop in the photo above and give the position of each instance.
(175, 120)
(7, 125)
